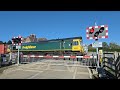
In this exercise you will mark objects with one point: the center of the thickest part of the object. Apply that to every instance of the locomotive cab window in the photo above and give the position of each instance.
(75, 43)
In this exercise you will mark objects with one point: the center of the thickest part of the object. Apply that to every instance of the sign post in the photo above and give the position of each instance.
(97, 57)
(17, 41)
(10, 53)
(97, 44)
(18, 57)
(18, 47)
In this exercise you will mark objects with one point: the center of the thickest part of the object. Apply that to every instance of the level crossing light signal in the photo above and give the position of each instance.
(17, 40)
(96, 32)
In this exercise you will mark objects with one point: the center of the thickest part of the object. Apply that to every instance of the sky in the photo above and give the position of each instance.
(58, 24)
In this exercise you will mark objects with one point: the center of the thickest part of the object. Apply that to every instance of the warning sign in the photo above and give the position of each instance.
(97, 44)
(100, 52)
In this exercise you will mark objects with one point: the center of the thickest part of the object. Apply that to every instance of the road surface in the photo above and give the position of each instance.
(47, 69)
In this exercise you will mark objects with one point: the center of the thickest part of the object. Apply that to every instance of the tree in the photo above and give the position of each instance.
(4, 43)
(9, 42)
(90, 46)
(113, 45)
(105, 45)
(42, 39)
(1, 42)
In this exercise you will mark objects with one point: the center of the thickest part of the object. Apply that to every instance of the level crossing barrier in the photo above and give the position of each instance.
(87, 61)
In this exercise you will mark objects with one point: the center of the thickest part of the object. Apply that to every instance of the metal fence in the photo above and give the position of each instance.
(111, 65)
(5, 60)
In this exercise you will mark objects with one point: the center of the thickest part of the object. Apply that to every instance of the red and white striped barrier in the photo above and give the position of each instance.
(39, 56)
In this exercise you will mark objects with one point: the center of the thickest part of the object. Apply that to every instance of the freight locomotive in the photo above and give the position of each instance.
(65, 46)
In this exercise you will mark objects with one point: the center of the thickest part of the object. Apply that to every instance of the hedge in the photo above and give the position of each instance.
(105, 49)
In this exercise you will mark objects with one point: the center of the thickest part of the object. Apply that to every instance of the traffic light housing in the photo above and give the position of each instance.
(101, 29)
(96, 32)
(18, 40)
(14, 41)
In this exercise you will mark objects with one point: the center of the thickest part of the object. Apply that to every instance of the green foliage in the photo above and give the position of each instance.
(1, 42)
(113, 45)
(92, 50)
(109, 48)
(4, 43)
(9, 42)
(105, 45)
(104, 49)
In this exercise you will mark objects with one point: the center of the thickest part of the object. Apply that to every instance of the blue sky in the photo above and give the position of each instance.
(58, 24)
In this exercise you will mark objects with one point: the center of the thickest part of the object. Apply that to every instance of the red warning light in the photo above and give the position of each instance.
(91, 31)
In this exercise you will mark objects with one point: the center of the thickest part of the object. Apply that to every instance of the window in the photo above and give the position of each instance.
(75, 43)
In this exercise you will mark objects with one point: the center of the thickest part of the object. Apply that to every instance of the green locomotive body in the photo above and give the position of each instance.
(54, 46)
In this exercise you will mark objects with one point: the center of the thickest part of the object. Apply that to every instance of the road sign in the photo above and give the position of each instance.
(100, 52)
(18, 47)
(97, 44)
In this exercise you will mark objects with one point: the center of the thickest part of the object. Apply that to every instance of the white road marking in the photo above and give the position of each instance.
(7, 72)
(90, 74)
(65, 63)
(57, 70)
(32, 70)
(82, 73)
(33, 76)
(75, 73)
(56, 64)
(48, 66)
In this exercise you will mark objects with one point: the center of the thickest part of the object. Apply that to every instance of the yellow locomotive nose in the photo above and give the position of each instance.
(76, 45)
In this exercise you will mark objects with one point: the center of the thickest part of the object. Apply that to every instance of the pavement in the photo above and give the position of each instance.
(48, 69)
